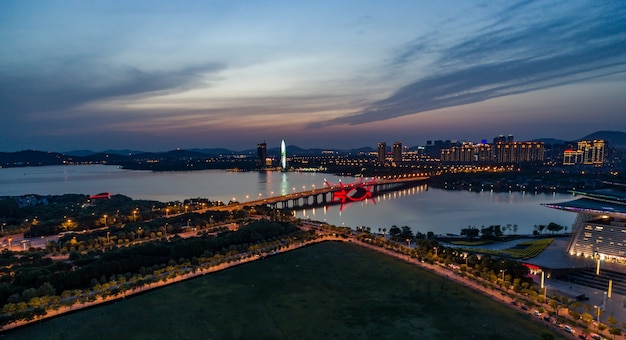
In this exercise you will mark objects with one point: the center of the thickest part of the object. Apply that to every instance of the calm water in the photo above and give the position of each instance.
(421, 208)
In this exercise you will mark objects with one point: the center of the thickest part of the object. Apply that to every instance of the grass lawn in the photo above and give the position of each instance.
(329, 290)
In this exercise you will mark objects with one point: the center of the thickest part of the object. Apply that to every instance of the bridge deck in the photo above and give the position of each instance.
(313, 192)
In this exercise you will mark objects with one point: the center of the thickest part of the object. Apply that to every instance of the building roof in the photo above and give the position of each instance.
(591, 206)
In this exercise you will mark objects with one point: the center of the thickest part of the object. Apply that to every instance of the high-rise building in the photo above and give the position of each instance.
(518, 152)
(382, 152)
(397, 152)
(587, 153)
(261, 154)
(467, 153)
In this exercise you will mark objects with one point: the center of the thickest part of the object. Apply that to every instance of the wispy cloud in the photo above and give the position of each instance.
(519, 50)
(74, 83)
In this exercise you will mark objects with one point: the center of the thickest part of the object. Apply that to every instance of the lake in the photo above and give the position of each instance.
(421, 208)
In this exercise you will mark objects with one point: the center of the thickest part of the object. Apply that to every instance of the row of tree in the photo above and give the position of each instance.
(32, 270)
(505, 275)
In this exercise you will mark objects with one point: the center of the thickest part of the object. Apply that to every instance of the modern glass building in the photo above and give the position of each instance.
(600, 227)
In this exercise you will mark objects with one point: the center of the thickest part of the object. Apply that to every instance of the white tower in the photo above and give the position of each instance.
(283, 155)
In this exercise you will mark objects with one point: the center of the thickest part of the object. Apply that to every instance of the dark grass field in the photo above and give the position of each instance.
(329, 290)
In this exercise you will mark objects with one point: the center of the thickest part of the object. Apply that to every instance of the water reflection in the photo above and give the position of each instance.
(426, 209)
(421, 208)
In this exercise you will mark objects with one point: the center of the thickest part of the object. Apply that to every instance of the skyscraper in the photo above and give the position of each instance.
(382, 152)
(261, 154)
(397, 152)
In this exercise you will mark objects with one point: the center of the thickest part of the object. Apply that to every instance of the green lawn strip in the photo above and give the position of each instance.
(471, 243)
(523, 250)
(330, 290)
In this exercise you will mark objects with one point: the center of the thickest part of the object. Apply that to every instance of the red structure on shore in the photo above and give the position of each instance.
(102, 195)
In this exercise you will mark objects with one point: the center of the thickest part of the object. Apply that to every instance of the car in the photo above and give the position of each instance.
(569, 329)
(546, 318)
(537, 313)
(524, 307)
(582, 336)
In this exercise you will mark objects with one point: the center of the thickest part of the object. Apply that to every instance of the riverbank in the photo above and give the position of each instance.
(329, 290)
(322, 237)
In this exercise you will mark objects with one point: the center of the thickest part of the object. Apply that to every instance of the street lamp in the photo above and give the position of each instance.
(135, 215)
(105, 220)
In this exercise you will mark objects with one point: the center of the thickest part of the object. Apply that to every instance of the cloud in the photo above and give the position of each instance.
(519, 51)
(73, 83)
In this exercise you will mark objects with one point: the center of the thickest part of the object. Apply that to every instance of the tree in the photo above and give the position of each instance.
(515, 227)
(612, 321)
(470, 232)
(615, 331)
(406, 232)
(587, 318)
(394, 231)
(46, 289)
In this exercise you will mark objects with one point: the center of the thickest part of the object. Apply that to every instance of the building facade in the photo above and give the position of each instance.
(381, 157)
(587, 153)
(397, 152)
(261, 154)
(600, 227)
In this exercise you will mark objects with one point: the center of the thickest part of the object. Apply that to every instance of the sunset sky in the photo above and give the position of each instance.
(159, 75)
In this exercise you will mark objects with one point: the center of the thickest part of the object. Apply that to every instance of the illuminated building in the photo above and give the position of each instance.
(600, 227)
(587, 153)
(261, 151)
(397, 152)
(382, 152)
(467, 153)
(518, 152)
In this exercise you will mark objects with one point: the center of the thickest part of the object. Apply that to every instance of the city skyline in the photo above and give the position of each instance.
(102, 75)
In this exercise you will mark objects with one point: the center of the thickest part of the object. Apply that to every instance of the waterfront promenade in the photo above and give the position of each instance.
(322, 236)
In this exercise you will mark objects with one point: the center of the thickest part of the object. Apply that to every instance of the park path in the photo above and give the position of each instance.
(323, 236)
(200, 271)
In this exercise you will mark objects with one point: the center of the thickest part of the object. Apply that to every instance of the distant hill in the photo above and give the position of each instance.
(615, 138)
(215, 151)
(80, 153)
(31, 158)
(83, 153)
(549, 141)
(174, 158)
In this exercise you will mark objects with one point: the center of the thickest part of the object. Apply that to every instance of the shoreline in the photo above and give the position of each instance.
(502, 296)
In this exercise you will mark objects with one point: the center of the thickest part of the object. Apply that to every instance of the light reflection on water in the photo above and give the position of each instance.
(421, 208)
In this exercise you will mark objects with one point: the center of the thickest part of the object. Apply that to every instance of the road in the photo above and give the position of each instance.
(19, 242)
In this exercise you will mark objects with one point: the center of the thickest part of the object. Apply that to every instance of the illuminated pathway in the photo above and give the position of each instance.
(319, 195)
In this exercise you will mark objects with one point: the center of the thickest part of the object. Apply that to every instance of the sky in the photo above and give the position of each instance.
(159, 75)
